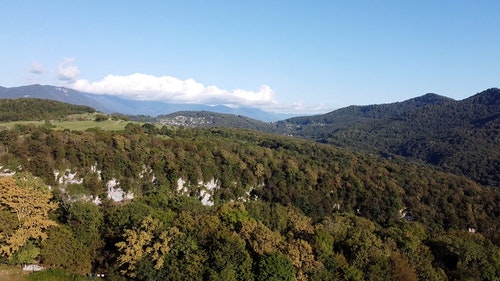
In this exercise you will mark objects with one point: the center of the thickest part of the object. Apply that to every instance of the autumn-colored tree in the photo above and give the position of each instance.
(261, 239)
(29, 199)
(8, 224)
(150, 239)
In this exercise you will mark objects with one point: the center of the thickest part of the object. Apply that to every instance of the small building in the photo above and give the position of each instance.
(33, 267)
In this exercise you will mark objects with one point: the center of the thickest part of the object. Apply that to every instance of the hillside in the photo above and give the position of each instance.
(37, 109)
(461, 137)
(206, 119)
(230, 202)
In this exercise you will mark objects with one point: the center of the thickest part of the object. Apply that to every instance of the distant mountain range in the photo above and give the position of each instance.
(113, 104)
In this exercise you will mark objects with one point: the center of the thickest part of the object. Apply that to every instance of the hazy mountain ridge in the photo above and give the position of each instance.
(61, 94)
(113, 104)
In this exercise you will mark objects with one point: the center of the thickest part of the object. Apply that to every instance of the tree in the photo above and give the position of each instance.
(56, 250)
(8, 224)
(28, 198)
(26, 254)
(466, 256)
(62, 250)
(150, 239)
(85, 220)
(150, 128)
(275, 267)
(133, 128)
(101, 117)
(260, 238)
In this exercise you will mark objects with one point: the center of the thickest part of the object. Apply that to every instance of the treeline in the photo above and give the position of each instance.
(285, 208)
(38, 109)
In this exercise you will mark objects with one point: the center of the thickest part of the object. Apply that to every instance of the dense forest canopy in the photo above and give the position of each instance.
(233, 204)
(461, 137)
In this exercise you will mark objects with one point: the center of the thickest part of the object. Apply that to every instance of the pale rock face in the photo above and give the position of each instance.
(180, 186)
(117, 194)
(95, 171)
(6, 172)
(206, 190)
(67, 177)
(205, 198)
(207, 193)
(114, 193)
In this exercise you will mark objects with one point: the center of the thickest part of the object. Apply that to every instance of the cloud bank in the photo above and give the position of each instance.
(67, 71)
(170, 89)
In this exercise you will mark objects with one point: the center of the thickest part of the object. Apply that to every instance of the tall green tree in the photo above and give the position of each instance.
(275, 267)
(63, 250)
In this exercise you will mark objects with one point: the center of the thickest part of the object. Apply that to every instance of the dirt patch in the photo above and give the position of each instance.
(12, 273)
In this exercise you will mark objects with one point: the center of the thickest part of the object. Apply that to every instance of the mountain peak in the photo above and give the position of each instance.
(430, 98)
(487, 97)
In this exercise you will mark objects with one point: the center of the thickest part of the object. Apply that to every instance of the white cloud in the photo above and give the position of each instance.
(67, 71)
(170, 89)
(173, 90)
(36, 68)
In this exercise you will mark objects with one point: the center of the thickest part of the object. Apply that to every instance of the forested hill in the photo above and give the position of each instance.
(206, 119)
(354, 114)
(38, 109)
(461, 137)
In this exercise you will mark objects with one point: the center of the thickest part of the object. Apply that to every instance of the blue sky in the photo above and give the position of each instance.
(286, 56)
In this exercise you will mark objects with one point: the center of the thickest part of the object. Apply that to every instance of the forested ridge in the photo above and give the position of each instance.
(282, 208)
(206, 119)
(38, 109)
(461, 137)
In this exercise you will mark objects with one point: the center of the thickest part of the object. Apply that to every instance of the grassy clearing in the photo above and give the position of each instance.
(12, 273)
(108, 125)
(78, 125)
(78, 122)
(55, 275)
(15, 273)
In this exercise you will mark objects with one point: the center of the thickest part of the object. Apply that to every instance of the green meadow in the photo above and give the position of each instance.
(78, 122)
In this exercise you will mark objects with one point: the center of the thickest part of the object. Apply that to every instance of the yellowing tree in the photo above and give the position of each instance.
(29, 199)
(149, 239)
